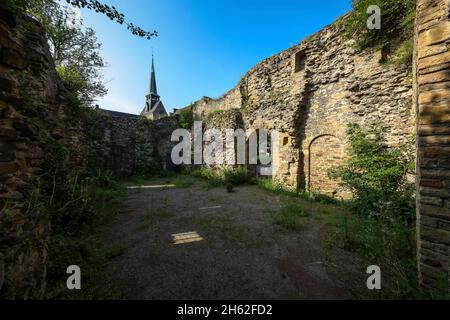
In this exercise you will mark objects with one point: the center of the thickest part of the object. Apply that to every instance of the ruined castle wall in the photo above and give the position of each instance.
(125, 143)
(161, 132)
(35, 113)
(230, 100)
(432, 88)
(310, 93)
(224, 120)
(345, 87)
(33, 106)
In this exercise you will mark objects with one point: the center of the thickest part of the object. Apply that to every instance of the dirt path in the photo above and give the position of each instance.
(240, 252)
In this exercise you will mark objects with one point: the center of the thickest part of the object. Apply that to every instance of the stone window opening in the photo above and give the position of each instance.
(300, 61)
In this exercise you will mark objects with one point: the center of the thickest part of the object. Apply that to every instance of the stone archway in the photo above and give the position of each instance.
(325, 152)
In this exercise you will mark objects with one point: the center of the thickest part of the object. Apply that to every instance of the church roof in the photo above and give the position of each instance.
(118, 114)
(157, 105)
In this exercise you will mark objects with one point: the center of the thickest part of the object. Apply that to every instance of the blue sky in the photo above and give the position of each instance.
(204, 46)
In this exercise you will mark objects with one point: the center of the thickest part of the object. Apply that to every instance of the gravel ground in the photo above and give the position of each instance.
(240, 252)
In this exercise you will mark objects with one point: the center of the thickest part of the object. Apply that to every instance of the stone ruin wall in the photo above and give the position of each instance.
(124, 142)
(432, 91)
(206, 105)
(310, 93)
(161, 133)
(36, 111)
(33, 106)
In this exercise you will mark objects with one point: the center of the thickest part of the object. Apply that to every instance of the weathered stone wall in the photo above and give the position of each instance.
(314, 90)
(122, 142)
(36, 112)
(224, 120)
(432, 88)
(230, 100)
(161, 138)
(32, 107)
(125, 143)
(325, 153)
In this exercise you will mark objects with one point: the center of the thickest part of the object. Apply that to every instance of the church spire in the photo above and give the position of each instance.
(154, 108)
(153, 89)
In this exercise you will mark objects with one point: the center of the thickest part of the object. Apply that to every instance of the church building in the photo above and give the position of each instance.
(154, 108)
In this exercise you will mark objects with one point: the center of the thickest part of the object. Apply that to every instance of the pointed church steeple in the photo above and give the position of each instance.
(153, 89)
(154, 108)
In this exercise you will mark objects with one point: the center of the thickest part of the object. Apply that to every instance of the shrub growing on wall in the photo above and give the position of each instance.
(377, 175)
(186, 118)
(395, 38)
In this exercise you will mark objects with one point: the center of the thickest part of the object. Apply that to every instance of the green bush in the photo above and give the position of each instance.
(211, 176)
(236, 176)
(77, 206)
(377, 175)
(395, 38)
(103, 179)
(186, 118)
(319, 197)
(95, 123)
(380, 224)
(220, 176)
(388, 244)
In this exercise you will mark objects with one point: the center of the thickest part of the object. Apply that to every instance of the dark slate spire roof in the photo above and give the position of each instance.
(154, 108)
(153, 89)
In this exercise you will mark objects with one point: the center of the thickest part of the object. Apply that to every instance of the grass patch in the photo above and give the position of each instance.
(178, 180)
(223, 176)
(93, 258)
(291, 216)
(388, 244)
(276, 187)
(182, 181)
(279, 188)
(78, 244)
(388, 241)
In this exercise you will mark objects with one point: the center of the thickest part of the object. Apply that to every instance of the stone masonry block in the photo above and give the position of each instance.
(435, 35)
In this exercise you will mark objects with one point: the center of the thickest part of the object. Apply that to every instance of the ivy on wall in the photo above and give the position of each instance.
(394, 39)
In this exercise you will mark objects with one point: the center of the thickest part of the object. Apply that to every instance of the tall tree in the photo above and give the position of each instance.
(109, 11)
(75, 50)
(112, 13)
